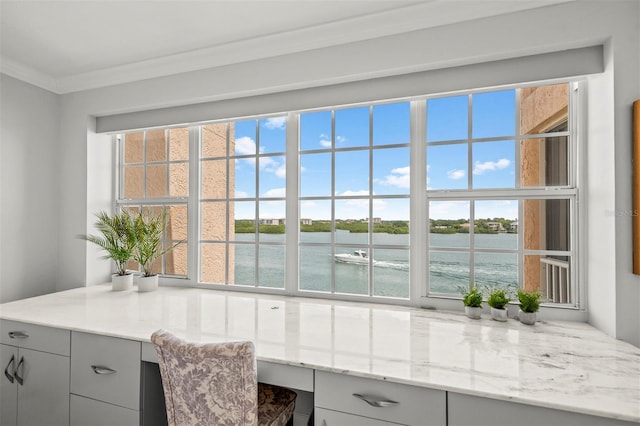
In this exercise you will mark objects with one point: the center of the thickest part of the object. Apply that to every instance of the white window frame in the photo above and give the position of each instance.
(418, 198)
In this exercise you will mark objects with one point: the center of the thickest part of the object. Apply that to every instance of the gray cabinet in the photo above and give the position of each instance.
(345, 399)
(467, 410)
(34, 385)
(105, 379)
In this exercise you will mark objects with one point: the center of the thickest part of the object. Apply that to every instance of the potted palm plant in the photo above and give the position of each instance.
(497, 300)
(118, 240)
(529, 304)
(149, 231)
(472, 301)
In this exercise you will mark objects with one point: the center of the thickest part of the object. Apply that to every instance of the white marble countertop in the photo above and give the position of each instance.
(564, 365)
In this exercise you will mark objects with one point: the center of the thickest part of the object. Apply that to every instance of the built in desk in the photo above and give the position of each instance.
(359, 363)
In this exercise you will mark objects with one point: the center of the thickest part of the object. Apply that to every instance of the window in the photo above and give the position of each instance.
(242, 203)
(489, 177)
(501, 190)
(354, 201)
(154, 176)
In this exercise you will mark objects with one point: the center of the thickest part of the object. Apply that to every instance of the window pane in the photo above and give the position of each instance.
(176, 261)
(273, 134)
(244, 176)
(447, 166)
(546, 225)
(391, 273)
(133, 143)
(214, 179)
(244, 214)
(447, 118)
(315, 221)
(352, 223)
(271, 264)
(212, 263)
(315, 268)
(391, 171)
(272, 177)
(352, 127)
(315, 130)
(315, 175)
(543, 107)
(244, 265)
(213, 221)
(544, 162)
(496, 270)
(133, 182)
(156, 181)
(550, 275)
(272, 219)
(156, 144)
(177, 223)
(244, 142)
(214, 140)
(391, 124)
(352, 173)
(179, 179)
(494, 114)
(494, 164)
(179, 144)
(493, 224)
(352, 273)
(448, 272)
(391, 221)
(449, 224)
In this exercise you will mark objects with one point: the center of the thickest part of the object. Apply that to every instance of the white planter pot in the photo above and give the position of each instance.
(473, 312)
(528, 318)
(499, 314)
(121, 282)
(148, 283)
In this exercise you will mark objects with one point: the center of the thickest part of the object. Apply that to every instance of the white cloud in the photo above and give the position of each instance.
(490, 166)
(349, 193)
(276, 192)
(281, 171)
(455, 174)
(245, 146)
(276, 123)
(324, 142)
(399, 177)
(340, 139)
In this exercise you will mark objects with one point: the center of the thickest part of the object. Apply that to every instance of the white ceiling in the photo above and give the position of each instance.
(71, 45)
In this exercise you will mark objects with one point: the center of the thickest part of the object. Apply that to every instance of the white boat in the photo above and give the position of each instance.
(358, 257)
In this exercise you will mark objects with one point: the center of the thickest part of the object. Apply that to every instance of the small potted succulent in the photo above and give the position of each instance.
(149, 230)
(118, 240)
(472, 301)
(529, 305)
(498, 301)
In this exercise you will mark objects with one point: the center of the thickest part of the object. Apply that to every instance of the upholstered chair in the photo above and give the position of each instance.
(216, 384)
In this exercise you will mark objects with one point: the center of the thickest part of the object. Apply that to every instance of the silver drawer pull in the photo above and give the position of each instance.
(98, 369)
(374, 402)
(17, 373)
(9, 374)
(18, 335)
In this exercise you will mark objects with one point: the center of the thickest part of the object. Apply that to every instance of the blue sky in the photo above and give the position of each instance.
(448, 166)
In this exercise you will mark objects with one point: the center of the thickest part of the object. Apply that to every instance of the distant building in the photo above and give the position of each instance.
(306, 221)
(272, 221)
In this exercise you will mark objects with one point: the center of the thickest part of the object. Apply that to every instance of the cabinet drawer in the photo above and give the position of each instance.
(37, 337)
(335, 418)
(106, 368)
(404, 404)
(85, 411)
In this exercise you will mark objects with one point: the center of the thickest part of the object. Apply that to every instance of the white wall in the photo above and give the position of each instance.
(29, 190)
(613, 292)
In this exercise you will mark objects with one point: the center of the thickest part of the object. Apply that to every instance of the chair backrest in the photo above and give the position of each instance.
(207, 384)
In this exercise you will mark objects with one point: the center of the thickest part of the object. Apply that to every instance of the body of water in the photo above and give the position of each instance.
(449, 270)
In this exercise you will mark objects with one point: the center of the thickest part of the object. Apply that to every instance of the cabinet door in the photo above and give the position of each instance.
(325, 417)
(86, 411)
(43, 398)
(8, 388)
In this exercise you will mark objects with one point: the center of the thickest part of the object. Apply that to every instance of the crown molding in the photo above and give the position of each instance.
(27, 74)
(409, 18)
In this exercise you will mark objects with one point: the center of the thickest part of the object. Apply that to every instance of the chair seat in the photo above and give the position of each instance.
(275, 405)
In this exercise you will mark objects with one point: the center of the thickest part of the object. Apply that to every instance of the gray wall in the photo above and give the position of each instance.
(29, 190)
(82, 183)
